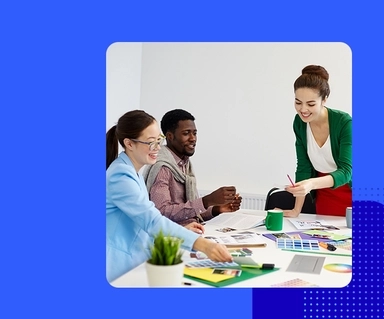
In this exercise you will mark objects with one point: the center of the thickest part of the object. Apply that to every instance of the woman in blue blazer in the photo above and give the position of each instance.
(132, 219)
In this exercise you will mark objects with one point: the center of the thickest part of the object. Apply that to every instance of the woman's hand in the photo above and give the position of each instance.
(301, 188)
(218, 252)
(289, 212)
(214, 251)
(195, 227)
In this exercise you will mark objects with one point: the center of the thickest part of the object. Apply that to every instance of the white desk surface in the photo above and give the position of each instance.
(270, 254)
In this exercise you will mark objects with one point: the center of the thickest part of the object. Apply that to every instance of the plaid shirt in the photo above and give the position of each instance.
(169, 197)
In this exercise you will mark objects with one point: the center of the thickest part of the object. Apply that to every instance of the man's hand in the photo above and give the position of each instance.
(231, 207)
(223, 195)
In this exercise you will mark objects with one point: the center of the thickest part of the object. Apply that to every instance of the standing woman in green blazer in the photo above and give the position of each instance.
(323, 147)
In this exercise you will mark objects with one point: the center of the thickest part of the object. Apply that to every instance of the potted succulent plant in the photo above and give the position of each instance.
(165, 267)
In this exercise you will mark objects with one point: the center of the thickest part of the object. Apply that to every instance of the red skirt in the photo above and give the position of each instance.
(331, 201)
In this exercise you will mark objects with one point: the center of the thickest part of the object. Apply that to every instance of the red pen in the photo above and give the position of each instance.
(290, 180)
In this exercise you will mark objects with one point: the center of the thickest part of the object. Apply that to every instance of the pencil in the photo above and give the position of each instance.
(292, 183)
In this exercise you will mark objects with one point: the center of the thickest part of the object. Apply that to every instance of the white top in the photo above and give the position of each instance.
(320, 157)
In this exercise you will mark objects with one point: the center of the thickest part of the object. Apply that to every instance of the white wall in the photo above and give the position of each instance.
(123, 80)
(241, 95)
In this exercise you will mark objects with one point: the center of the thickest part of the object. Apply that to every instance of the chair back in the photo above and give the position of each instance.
(280, 198)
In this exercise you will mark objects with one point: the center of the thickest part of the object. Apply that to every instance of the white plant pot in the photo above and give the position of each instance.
(165, 276)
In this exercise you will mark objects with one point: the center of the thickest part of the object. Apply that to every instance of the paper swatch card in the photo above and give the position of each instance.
(343, 244)
(207, 263)
(297, 282)
(297, 244)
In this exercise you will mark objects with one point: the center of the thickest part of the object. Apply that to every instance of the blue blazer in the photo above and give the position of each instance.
(133, 220)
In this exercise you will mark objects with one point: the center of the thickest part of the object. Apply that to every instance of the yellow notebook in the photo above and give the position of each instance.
(205, 274)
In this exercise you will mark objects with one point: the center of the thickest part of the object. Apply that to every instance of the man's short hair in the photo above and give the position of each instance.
(171, 119)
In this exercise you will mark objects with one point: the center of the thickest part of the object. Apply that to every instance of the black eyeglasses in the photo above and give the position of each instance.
(152, 145)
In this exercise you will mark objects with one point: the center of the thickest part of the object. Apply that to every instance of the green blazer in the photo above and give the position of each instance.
(340, 131)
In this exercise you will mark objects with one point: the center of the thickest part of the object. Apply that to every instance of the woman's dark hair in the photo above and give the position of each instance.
(130, 125)
(314, 77)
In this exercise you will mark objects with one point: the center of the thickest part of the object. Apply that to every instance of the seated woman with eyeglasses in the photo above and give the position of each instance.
(132, 219)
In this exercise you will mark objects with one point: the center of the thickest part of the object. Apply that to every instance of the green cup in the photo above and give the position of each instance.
(274, 219)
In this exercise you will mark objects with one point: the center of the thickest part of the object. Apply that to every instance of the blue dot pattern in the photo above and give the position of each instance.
(361, 298)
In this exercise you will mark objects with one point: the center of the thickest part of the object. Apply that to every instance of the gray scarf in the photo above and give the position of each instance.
(165, 158)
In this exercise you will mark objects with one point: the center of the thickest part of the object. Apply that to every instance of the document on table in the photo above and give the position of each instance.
(242, 239)
(310, 224)
(237, 220)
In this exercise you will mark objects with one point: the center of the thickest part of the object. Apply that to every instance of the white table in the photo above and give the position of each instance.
(270, 254)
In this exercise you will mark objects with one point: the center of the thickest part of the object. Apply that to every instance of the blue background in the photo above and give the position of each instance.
(52, 125)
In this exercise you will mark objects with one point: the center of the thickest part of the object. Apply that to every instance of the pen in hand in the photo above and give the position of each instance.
(292, 183)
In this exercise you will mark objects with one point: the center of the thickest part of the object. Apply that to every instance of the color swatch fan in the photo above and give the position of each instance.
(297, 244)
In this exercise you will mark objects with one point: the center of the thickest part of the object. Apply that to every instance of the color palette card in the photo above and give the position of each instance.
(341, 268)
(297, 244)
(297, 282)
(240, 252)
(343, 244)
